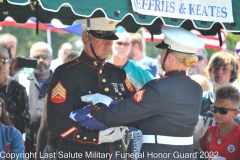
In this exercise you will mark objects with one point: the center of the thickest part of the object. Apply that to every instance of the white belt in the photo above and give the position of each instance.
(167, 140)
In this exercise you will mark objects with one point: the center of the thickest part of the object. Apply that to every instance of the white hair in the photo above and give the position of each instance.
(41, 45)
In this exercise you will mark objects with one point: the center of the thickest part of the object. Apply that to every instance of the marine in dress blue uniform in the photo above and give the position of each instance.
(85, 75)
(166, 109)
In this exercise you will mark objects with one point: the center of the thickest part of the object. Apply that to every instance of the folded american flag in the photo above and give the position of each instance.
(84, 118)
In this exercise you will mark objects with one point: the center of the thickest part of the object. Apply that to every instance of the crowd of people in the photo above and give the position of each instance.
(181, 104)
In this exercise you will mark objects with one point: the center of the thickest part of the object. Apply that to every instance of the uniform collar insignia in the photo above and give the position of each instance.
(91, 61)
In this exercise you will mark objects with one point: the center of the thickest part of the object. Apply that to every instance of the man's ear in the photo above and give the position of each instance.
(85, 40)
(170, 56)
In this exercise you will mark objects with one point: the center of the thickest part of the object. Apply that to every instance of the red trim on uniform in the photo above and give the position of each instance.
(95, 109)
(139, 95)
(75, 129)
(128, 85)
(175, 70)
(99, 80)
(89, 65)
(112, 65)
(96, 143)
(69, 131)
(58, 93)
(93, 58)
(72, 64)
(161, 78)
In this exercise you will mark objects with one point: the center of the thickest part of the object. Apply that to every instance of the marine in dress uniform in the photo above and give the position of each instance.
(85, 75)
(166, 109)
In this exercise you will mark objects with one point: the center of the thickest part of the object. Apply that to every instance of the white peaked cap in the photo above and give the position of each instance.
(181, 40)
(100, 23)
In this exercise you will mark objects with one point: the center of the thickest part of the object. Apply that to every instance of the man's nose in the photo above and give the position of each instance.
(219, 71)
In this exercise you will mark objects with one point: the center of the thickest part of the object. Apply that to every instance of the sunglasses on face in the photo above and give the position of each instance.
(221, 110)
(125, 44)
(4, 60)
(39, 57)
(237, 51)
(200, 57)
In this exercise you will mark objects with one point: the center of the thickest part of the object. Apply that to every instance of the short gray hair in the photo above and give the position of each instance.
(41, 45)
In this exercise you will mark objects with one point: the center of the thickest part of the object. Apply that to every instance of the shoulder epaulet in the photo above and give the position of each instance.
(72, 63)
(112, 65)
(158, 79)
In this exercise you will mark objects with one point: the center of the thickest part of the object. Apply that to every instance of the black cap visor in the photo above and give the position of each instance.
(200, 57)
(163, 45)
(107, 35)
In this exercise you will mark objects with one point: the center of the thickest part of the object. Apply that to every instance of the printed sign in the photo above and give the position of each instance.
(204, 10)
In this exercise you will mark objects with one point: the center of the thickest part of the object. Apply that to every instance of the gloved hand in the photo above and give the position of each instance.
(111, 134)
(97, 98)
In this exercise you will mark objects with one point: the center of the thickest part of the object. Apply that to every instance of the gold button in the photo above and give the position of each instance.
(94, 139)
(78, 136)
(120, 94)
(115, 97)
(95, 106)
(121, 98)
(104, 80)
(76, 59)
(95, 63)
(103, 64)
(106, 89)
(89, 92)
(98, 108)
(85, 138)
(100, 71)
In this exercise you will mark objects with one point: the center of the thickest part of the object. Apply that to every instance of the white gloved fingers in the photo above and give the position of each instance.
(125, 128)
(97, 98)
(87, 98)
(107, 131)
(118, 133)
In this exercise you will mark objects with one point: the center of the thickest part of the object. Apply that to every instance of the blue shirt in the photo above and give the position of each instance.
(11, 142)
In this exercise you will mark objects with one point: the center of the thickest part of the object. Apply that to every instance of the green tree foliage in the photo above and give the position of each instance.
(27, 37)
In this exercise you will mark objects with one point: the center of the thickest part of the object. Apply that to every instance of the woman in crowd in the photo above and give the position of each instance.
(13, 93)
(11, 142)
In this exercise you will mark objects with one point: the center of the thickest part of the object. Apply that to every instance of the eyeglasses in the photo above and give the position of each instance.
(200, 57)
(43, 57)
(125, 44)
(4, 60)
(237, 50)
(221, 110)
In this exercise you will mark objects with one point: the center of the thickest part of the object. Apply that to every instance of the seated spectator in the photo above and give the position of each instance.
(10, 138)
(223, 140)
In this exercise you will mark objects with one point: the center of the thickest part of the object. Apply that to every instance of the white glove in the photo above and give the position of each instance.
(97, 98)
(111, 134)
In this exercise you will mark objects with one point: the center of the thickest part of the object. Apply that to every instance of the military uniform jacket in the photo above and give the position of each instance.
(168, 106)
(71, 81)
